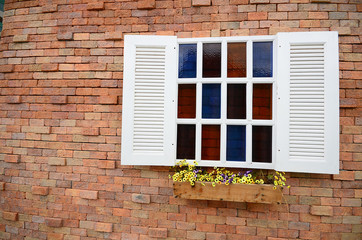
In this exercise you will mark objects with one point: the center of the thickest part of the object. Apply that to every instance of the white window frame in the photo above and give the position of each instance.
(305, 71)
(224, 80)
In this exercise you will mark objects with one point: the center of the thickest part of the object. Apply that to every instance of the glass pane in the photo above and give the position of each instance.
(210, 149)
(236, 59)
(186, 141)
(262, 101)
(236, 101)
(211, 100)
(186, 101)
(211, 60)
(187, 61)
(262, 59)
(235, 145)
(262, 144)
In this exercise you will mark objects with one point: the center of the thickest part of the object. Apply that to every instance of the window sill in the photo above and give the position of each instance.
(254, 193)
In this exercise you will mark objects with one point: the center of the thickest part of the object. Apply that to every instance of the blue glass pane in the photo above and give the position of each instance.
(235, 145)
(211, 100)
(187, 61)
(262, 59)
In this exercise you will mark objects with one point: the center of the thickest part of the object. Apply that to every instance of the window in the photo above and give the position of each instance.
(226, 91)
(253, 102)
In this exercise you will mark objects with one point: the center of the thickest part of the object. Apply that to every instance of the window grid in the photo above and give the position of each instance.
(223, 121)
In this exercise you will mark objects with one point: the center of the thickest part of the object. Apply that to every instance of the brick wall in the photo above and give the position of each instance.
(60, 125)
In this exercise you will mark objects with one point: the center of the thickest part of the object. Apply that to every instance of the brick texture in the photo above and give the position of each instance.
(10, 216)
(61, 71)
(198, 3)
(54, 222)
(21, 38)
(146, 4)
(37, 190)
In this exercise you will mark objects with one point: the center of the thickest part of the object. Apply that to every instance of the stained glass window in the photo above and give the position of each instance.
(211, 100)
(210, 146)
(186, 141)
(225, 115)
(262, 59)
(187, 61)
(186, 101)
(236, 60)
(211, 58)
(262, 144)
(262, 101)
(236, 101)
(235, 144)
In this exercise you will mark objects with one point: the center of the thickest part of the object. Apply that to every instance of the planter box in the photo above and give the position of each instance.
(255, 193)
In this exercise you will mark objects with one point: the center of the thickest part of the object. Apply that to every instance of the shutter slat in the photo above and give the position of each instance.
(148, 112)
(308, 108)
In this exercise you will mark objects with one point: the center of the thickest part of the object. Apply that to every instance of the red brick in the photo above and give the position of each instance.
(37, 190)
(321, 210)
(58, 99)
(121, 212)
(54, 222)
(65, 36)
(21, 38)
(48, 8)
(106, 164)
(257, 16)
(56, 161)
(12, 158)
(351, 202)
(2, 186)
(13, 99)
(49, 67)
(348, 103)
(90, 131)
(95, 6)
(10, 216)
(7, 68)
(108, 99)
(55, 236)
(158, 232)
(103, 227)
(146, 4)
(141, 198)
(114, 36)
(344, 175)
(199, 3)
(87, 194)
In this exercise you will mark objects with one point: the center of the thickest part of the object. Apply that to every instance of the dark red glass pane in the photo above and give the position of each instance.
(186, 141)
(210, 149)
(236, 59)
(262, 144)
(211, 60)
(262, 101)
(236, 101)
(186, 101)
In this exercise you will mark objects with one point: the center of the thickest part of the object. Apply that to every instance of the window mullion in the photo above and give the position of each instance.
(223, 101)
(198, 101)
(249, 101)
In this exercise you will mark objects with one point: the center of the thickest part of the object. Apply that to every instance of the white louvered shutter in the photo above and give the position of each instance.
(308, 102)
(149, 91)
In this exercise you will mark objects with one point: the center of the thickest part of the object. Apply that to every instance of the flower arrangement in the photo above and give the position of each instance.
(185, 172)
